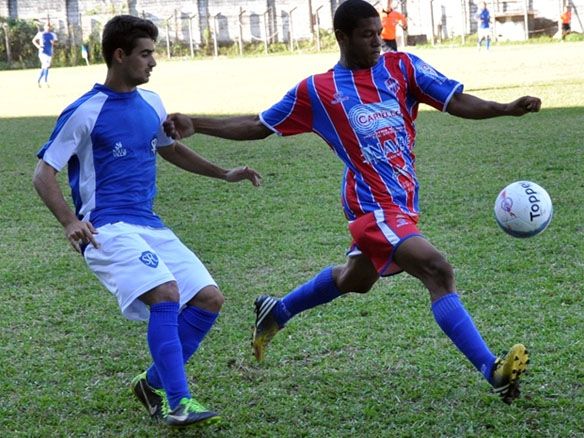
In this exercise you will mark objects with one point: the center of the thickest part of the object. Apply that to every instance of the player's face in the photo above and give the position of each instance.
(139, 64)
(361, 49)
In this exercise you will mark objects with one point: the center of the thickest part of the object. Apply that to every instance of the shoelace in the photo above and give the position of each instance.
(194, 406)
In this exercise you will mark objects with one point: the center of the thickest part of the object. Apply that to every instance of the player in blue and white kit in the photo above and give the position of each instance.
(109, 139)
(484, 31)
(44, 42)
(364, 108)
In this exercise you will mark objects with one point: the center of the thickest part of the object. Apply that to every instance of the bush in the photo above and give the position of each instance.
(19, 34)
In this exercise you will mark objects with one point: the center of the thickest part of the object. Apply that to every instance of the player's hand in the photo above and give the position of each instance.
(81, 233)
(240, 173)
(524, 105)
(178, 126)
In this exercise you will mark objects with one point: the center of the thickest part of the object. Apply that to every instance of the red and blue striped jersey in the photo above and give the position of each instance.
(367, 117)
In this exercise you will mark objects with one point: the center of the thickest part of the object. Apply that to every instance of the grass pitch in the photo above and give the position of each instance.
(372, 365)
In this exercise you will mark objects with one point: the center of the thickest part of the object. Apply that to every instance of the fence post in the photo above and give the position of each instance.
(317, 28)
(266, 31)
(291, 36)
(191, 44)
(7, 40)
(215, 45)
(240, 26)
(168, 37)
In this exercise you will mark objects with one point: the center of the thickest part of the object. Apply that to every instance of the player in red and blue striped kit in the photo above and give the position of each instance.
(364, 108)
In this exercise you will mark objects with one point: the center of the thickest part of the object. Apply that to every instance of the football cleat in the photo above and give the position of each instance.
(154, 400)
(265, 327)
(189, 411)
(506, 373)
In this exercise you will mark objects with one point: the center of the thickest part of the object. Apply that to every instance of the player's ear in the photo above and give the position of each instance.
(340, 35)
(118, 55)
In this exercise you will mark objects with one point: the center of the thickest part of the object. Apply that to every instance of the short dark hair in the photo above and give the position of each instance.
(122, 31)
(350, 12)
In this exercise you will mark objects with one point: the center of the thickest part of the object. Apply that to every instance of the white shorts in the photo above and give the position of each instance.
(484, 32)
(134, 259)
(45, 60)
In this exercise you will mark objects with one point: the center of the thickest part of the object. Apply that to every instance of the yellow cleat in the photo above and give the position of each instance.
(265, 327)
(507, 371)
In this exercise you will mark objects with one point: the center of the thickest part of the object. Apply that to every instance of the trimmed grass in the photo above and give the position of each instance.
(370, 365)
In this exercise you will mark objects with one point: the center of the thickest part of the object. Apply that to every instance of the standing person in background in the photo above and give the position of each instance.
(44, 42)
(484, 32)
(389, 22)
(566, 19)
(110, 139)
(84, 54)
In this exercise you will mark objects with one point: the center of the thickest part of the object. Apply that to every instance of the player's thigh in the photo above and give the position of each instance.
(418, 257)
(127, 266)
(189, 271)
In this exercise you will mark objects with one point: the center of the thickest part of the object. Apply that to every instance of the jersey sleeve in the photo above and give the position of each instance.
(429, 85)
(155, 102)
(71, 133)
(291, 115)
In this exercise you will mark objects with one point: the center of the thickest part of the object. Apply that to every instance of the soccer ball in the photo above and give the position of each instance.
(523, 209)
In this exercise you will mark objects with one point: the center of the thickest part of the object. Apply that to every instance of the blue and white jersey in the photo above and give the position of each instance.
(47, 39)
(109, 141)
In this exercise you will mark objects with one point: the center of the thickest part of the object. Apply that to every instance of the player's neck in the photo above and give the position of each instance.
(118, 85)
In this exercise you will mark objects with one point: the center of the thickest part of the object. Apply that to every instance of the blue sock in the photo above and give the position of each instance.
(42, 74)
(166, 350)
(319, 290)
(455, 321)
(193, 325)
(46, 75)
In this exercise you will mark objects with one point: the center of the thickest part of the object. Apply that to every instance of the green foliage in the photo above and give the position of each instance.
(20, 34)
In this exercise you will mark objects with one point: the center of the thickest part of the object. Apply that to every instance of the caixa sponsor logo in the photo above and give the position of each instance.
(367, 119)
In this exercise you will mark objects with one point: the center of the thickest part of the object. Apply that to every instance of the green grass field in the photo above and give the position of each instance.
(363, 366)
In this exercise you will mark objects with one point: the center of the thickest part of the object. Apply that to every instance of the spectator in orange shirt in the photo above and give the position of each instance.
(566, 18)
(389, 23)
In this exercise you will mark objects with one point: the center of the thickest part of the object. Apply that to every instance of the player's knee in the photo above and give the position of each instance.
(209, 298)
(166, 292)
(439, 271)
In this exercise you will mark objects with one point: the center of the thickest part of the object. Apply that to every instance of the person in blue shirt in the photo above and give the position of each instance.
(484, 31)
(44, 42)
(109, 139)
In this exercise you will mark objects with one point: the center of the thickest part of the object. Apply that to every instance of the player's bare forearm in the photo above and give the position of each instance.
(471, 107)
(46, 184)
(180, 126)
(187, 159)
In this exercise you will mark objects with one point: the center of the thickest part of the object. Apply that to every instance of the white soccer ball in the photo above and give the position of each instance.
(523, 209)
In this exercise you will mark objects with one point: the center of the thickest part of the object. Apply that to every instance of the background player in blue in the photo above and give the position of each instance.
(109, 139)
(45, 42)
(365, 108)
(484, 31)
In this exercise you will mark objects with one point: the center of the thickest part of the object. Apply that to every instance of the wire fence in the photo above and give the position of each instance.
(237, 27)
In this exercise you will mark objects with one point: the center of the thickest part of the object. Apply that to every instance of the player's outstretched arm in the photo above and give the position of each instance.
(184, 157)
(46, 184)
(180, 126)
(472, 107)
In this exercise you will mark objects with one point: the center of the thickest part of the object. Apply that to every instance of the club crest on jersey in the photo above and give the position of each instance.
(149, 259)
(366, 119)
(154, 143)
(119, 150)
(339, 97)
